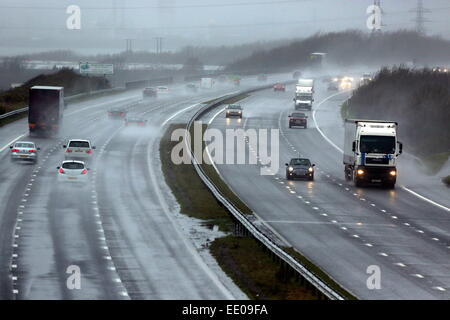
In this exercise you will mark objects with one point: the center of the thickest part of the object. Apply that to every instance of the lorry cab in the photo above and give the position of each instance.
(371, 150)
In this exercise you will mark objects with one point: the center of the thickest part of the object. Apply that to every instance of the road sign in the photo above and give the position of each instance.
(96, 68)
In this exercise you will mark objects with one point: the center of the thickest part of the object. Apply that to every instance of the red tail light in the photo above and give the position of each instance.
(89, 151)
(32, 151)
(15, 150)
(84, 171)
(68, 150)
(61, 170)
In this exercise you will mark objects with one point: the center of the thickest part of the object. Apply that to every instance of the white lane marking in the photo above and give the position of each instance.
(426, 199)
(341, 151)
(11, 142)
(177, 113)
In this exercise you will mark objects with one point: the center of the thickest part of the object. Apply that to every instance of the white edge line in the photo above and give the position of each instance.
(426, 199)
(11, 142)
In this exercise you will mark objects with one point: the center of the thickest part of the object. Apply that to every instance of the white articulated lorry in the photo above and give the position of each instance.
(304, 94)
(371, 150)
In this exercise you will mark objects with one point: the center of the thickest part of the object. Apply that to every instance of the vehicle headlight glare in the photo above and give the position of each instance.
(310, 169)
(291, 169)
(360, 172)
(393, 173)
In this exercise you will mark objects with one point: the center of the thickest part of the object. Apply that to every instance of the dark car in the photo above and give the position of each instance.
(300, 168)
(298, 119)
(191, 87)
(233, 110)
(279, 87)
(297, 74)
(117, 113)
(137, 121)
(149, 93)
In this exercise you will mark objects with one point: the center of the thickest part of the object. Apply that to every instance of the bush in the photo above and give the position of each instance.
(419, 100)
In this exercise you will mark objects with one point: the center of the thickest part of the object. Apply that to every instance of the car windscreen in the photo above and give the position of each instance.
(298, 115)
(24, 145)
(377, 144)
(79, 144)
(73, 166)
(300, 162)
(234, 107)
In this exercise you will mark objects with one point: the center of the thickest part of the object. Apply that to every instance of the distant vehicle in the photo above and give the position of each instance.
(45, 109)
(440, 69)
(262, 77)
(237, 82)
(79, 149)
(222, 78)
(346, 83)
(135, 120)
(300, 168)
(149, 93)
(371, 150)
(233, 110)
(365, 79)
(333, 86)
(297, 74)
(24, 150)
(73, 171)
(117, 113)
(192, 87)
(206, 83)
(304, 94)
(279, 87)
(298, 119)
(162, 89)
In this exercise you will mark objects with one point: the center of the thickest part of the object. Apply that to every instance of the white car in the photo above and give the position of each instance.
(24, 150)
(79, 149)
(73, 171)
(162, 89)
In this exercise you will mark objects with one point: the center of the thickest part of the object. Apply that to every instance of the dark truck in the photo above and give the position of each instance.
(45, 110)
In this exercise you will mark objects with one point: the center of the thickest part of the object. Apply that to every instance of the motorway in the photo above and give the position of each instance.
(343, 229)
(120, 229)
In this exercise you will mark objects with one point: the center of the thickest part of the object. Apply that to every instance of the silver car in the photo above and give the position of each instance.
(24, 150)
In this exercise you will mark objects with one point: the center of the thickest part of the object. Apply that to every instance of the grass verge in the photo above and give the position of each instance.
(257, 274)
(435, 162)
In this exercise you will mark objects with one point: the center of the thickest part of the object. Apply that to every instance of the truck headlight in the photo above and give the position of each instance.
(360, 172)
(393, 173)
(290, 169)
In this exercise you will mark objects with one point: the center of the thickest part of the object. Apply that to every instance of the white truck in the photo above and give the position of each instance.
(206, 83)
(371, 150)
(304, 94)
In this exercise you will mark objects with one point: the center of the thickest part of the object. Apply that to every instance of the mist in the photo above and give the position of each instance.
(30, 26)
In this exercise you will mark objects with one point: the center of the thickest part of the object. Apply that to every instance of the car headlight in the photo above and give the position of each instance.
(393, 173)
(310, 169)
(290, 169)
(360, 172)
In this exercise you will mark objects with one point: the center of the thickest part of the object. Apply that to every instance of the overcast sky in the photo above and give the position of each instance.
(198, 22)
